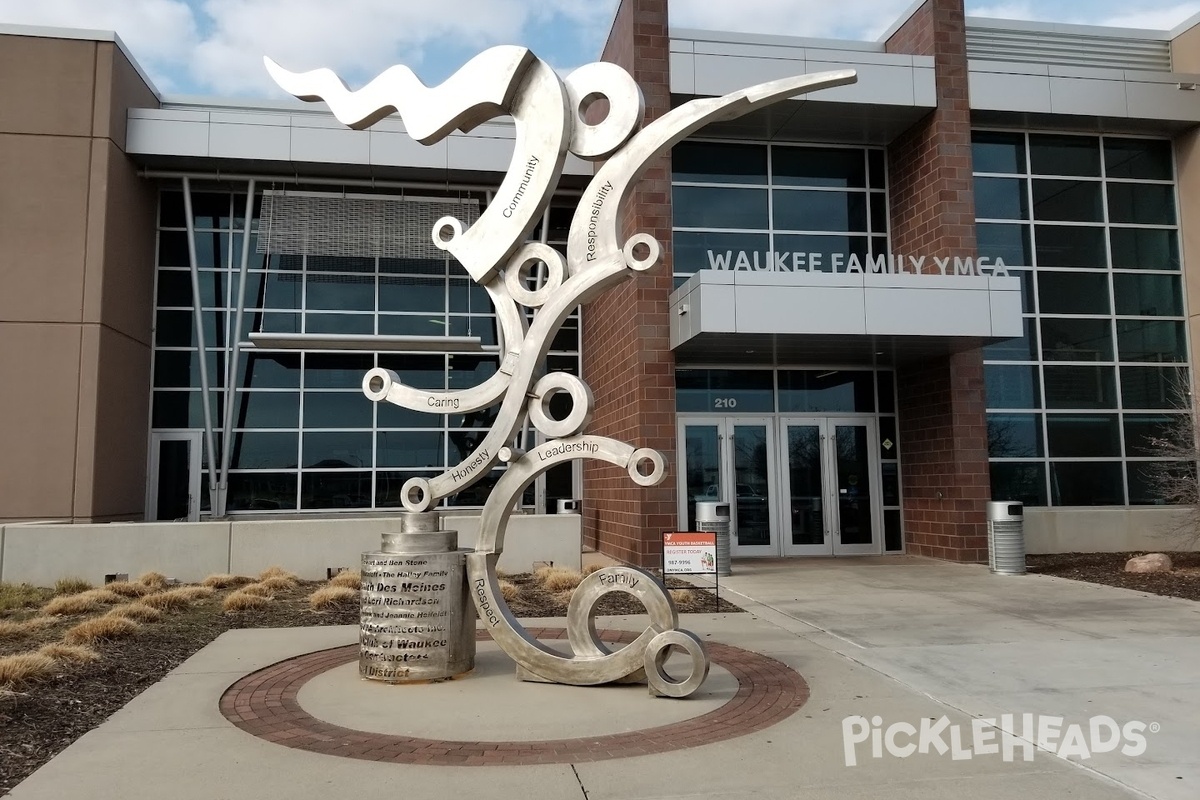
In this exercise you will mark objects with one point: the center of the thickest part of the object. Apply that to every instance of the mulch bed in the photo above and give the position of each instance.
(1109, 568)
(38, 722)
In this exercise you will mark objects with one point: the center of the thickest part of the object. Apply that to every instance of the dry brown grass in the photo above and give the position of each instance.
(194, 594)
(278, 583)
(15, 630)
(242, 601)
(565, 596)
(138, 612)
(173, 600)
(22, 668)
(66, 586)
(155, 580)
(682, 596)
(509, 591)
(21, 595)
(332, 597)
(590, 568)
(276, 572)
(540, 573)
(351, 578)
(225, 581)
(101, 629)
(560, 580)
(128, 588)
(83, 603)
(69, 653)
(257, 589)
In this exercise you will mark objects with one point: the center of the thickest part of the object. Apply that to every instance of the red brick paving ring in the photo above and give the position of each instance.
(264, 704)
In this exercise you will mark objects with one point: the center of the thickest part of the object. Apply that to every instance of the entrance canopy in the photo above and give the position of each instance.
(811, 317)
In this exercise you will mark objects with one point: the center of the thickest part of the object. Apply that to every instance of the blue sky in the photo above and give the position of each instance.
(214, 47)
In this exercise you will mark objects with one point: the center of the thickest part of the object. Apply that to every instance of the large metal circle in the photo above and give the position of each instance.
(529, 254)
(656, 656)
(641, 264)
(445, 231)
(654, 457)
(581, 612)
(626, 106)
(416, 495)
(377, 382)
(581, 405)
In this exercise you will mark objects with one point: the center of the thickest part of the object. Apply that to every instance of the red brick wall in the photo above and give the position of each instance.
(627, 357)
(943, 433)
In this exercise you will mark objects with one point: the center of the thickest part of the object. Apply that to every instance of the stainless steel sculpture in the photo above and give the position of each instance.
(548, 113)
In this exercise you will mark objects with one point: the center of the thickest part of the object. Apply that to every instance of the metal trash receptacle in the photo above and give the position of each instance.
(714, 516)
(1006, 537)
(568, 506)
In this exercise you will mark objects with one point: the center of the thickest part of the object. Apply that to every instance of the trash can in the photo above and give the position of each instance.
(1006, 537)
(568, 506)
(714, 517)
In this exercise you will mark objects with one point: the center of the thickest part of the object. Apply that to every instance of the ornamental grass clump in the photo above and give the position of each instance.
(66, 586)
(138, 612)
(129, 589)
(257, 589)
(167, 601)
(350, 578)
(278, 583)
(276, 571)
(682, 596)
(194, 594)
(22, 668)
(16, 630)
(225, 581)
(155, 580)
(509, 591)
(83, 603)
(69, 653)
(14, 596)
(561, 580)
(243, 601)
(333, 597)
(101, 629)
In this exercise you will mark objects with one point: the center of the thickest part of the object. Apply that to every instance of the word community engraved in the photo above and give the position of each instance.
(548, 114)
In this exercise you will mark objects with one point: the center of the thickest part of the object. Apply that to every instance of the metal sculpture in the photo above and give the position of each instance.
(549, 116)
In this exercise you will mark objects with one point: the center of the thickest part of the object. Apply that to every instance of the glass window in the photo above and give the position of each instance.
(335, 490)
(340, 292)
(889, 442)
(712, 162)
(1065, 155)
(998, 152)
(270, 371)
(1148, 295)
(1141, 431)
(891, 483)
(824, 247)
(1083, 435)
(879, 212)
(1024, 482)
(175, 288)
(267, 410)
(818, 166)
(264, 450)
(712, 207)
(210, 210)
(175, 409)
(336, 370)
(1012, 386)
(1021, 348)
(887, 391)
(1001, 198)
(1076, 339)
(181, 369)
(337, 450)
(1014, 435)
(694, 251)
(282, 290)
(799, 210)
(821, 391)
(416, 293)
(171, 210)
(1151, 340)
(411, 449)
(743, 391)
(1154, 387)
(1067, 201)
(337, 410)
(1148, 159)
(1141, 203)
(1087, 483)
(1080, 387)
(389, 486)
(466, 372)
(1157, 482)
(1074, 246)
(1073, 293)
(878, 168)
(1144, 248)
(262, 491)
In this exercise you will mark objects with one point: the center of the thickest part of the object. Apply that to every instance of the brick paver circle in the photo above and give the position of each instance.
(264, 704)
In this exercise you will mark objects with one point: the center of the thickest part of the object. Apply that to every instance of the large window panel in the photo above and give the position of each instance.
(1021, 348)
(1151, 340)
(1053, 154)
(1151, 434)
(1146, 159)
(1021, 481)
(336, 370)
(1145, 248)
(1015, 436)
(264, 450)
(1083, 435)
(1080, 387)
(992, 151)
(327, 450)
(800, 210)
(1012, 386)
(414, 293)
(1154, 387)
(1073, 293)
(826, 391)
(1067, 201)
(717, 162)
(740, 391)
(337, 410)
(1141, 203)
(1076, 339)
(411, 449)
(1001, 198)
(825, 247)
(1151, 482)
(1070, 246)
(819, 166)
(335, 490)
(1086, 483)
(262, 491)
(267, 410)
(719, 207)
(695, 251)
(1148, 295)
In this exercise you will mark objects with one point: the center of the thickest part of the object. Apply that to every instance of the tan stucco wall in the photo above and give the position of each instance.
(76, 267)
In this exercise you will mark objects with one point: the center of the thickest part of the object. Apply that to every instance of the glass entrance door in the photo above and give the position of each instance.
(173, 491)
(855, 480)
(732, 460)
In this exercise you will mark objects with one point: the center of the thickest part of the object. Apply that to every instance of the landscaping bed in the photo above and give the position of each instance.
(71, 689)
(1109, 568)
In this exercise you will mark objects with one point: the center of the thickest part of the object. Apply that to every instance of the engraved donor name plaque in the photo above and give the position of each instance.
(414, 598)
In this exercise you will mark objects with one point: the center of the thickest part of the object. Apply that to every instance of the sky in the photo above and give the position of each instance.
(215, 47)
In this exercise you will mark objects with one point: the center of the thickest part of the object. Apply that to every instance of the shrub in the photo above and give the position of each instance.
(82, 603)
(138, 612)
(225, 581)
(67, 586)
(351, 578)
(332, 597)
(155, 580)
(278, 583)
(69, 653)
(564, 596)
(257, 589)
(276, 572)
(23, 668)
(22, 595)
(194, 594)
(167, 601)
(242, 601)
(561, 580)
(101, 629)
(682, 596)
(128, 588)
(509, 591)
(590, 568)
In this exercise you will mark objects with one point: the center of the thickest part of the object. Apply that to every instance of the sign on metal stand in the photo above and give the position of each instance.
(691, 553)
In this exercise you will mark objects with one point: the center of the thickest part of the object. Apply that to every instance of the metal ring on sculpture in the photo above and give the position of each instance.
(626, 107)
(440, 228)
(416, 495)
(581, 612)
(654, 457)
(529, 254)
(377, 382)
(653, 257)
(656, 657)
(581, 405)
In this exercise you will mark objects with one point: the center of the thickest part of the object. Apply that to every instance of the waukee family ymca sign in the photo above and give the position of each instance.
(882, 264)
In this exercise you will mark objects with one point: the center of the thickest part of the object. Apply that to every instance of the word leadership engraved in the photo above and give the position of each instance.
(549, 115)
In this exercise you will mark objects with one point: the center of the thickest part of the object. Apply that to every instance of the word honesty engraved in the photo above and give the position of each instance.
(546, 111)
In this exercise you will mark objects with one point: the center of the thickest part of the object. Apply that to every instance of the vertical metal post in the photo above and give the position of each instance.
(199, 319)
(220, 509)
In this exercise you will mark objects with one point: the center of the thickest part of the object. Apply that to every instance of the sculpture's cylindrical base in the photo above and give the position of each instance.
(418, 623)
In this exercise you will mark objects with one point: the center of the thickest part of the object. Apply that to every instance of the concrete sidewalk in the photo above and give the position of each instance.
(905, 641)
